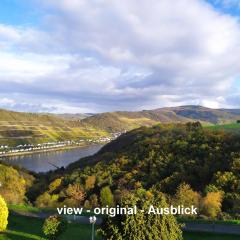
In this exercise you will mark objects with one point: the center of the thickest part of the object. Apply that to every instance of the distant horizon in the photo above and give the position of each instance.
(93, 113)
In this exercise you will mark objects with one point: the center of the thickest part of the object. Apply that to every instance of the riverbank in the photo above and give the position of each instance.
(44, 161)
(55, 149)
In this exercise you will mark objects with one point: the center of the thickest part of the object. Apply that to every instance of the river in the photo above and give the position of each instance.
(42, 162)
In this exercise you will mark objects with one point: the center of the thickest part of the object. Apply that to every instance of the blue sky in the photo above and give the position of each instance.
(94, 56)
(19, 12)
(231, 7)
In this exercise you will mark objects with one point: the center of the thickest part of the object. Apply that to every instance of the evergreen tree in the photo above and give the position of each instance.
(142, 225)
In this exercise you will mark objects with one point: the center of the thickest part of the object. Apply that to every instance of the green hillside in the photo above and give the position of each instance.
(181, 163)
(156, 159)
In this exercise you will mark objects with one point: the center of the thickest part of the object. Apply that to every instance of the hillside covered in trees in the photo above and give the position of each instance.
(188, 164)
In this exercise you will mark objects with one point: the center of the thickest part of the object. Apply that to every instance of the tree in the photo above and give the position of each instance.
(106, 197)
(142, 225)
(13, 184)
(76, 193)
(54, 226)
(227, 181)
(187, 197)
(90, 182)
(3, 214)
(55, 184)
(211, 204)
(94, 201)
(47, 200)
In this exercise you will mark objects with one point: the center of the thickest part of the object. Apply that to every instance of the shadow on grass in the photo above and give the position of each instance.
(14, 235)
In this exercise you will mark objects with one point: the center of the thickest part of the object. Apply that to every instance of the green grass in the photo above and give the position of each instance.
(209, 236)
(230, 127)
(23, 208)
(209, 221)
(23, 228)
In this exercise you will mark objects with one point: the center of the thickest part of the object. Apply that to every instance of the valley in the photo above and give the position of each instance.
(24, 131)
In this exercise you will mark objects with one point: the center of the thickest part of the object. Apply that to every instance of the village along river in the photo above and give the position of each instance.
(45, 161)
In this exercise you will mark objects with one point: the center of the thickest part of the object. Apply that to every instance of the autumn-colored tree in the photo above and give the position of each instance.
(187, 197)
(55, 184)
(211, 204)
(90, 182)
(3, 214)
(13, 183)
(76, 193)
(47, 200)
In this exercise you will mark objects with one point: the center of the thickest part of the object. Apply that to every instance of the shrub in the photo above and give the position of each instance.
(54, 226)
(3, 214)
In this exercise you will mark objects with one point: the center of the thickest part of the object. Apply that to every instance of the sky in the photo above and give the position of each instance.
(76, 56)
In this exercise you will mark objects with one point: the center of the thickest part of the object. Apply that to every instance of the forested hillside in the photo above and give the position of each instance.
(189, 164)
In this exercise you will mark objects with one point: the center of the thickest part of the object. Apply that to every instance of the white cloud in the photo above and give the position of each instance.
(107, 55)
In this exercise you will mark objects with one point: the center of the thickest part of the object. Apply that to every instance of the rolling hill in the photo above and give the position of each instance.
(32, 128)
(21, 128)
(119, 121)
(156, 159)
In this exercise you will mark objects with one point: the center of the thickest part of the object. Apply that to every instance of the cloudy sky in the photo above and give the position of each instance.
(105, 55)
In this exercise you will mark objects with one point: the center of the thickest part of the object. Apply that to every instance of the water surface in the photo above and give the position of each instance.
(43, 162)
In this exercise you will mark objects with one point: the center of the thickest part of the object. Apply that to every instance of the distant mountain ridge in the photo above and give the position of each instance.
(118, 121)
(19, 127)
